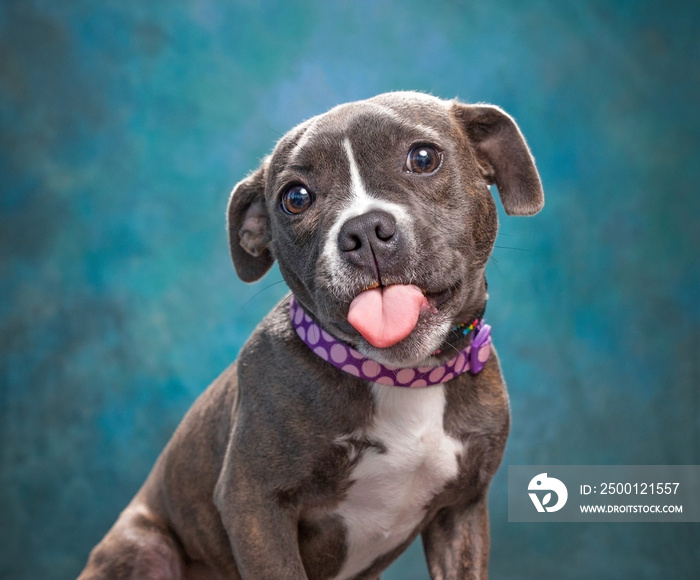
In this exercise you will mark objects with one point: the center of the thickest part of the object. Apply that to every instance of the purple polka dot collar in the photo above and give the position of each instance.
(471, 359)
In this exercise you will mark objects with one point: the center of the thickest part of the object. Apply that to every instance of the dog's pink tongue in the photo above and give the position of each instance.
(385, 316)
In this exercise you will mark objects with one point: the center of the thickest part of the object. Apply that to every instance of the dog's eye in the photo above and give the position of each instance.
(423, 159)
(296, 200)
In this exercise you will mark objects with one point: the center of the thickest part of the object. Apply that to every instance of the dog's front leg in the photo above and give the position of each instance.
(456, 543)
(262, 533)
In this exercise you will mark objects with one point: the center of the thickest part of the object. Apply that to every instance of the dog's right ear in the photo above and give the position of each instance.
(248, 227)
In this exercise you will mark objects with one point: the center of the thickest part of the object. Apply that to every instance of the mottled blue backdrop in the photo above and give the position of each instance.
(123, 126)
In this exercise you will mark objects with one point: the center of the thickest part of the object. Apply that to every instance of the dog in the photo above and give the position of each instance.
(369, 406)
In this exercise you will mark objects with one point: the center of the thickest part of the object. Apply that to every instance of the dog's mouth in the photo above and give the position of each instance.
(438, 299)
(386, 315)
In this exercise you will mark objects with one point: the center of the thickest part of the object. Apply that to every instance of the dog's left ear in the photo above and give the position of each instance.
(248, 228)
(503, 156)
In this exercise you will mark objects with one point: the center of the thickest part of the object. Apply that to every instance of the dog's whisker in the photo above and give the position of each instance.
(282, 302)
(493, 259)
(274, 131)
(254, 296)
(511, 248)
(452, 346)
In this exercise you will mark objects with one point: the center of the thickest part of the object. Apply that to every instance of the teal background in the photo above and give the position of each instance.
(123, 127)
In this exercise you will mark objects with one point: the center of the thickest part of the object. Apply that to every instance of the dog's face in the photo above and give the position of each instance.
(392, 193)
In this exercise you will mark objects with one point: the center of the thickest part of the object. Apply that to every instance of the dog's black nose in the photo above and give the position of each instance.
(369, 239)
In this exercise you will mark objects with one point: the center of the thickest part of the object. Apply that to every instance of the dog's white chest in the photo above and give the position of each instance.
(390, 489)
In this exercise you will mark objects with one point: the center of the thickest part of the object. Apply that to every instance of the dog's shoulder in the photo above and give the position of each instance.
(282, 381)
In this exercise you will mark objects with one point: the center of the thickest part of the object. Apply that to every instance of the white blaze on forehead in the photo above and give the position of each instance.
(360, 202)
(357, 187)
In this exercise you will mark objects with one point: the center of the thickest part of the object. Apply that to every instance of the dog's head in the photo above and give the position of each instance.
(379, 211)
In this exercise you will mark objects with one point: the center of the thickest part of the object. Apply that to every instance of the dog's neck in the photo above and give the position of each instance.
(471, 358)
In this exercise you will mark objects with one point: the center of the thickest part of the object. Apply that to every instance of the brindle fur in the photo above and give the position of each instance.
(246, 487)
